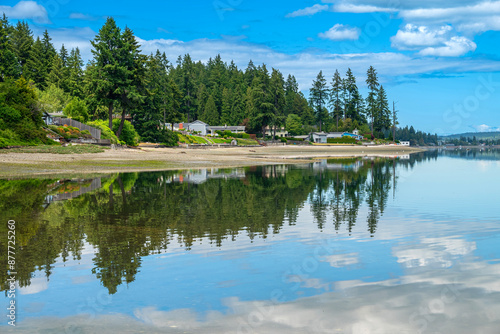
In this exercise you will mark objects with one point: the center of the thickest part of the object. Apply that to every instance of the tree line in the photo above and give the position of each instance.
(152, 91)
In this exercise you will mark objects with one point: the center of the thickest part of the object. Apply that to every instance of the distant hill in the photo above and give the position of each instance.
(478, 135)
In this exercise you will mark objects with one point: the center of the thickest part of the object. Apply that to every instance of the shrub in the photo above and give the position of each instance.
(343, 140)
(77, 110)
(169, 138)
(128, 134)
(106, 132)
(283, 140)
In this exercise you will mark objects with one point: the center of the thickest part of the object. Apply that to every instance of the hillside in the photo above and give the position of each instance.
(478, 135)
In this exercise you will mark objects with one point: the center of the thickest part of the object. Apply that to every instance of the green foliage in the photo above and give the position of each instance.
(168, 138)
(53, 99)
(342, 140)
(106, 132)
(20, 118)
(57, 149)
(128, 134)
(77, 109)
(294, 125)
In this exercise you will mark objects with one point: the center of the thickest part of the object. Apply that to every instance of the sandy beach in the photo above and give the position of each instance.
(153, 159)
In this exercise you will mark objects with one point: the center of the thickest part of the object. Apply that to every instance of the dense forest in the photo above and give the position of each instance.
(151, 90)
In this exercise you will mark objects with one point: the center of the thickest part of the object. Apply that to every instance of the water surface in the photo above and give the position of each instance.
(360, 245)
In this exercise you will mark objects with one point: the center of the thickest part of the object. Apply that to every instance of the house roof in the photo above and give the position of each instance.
(224, 127)
(196, 122)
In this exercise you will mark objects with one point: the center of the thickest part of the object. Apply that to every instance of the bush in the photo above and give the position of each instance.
(77, 110)
(128, 134)
(283, 140)
(343, 140)
(295, 139)
(106, 132)
(169, 138)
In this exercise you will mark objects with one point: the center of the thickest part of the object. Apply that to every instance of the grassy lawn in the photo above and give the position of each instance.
(70, 149)
(246, 142)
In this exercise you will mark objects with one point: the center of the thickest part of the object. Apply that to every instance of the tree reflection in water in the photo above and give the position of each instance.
(130, 215)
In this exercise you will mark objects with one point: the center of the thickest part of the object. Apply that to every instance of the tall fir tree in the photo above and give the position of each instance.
(108, 74)
(9, 65)
(319, 94)
(383, 115)
(371, 100)
(335, 100)
(22, 42)
(277, 97)
(210, 114)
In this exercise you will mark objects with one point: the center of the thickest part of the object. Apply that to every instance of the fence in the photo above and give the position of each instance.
(96, 133)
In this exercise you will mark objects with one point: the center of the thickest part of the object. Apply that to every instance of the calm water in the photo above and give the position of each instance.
(404, 245)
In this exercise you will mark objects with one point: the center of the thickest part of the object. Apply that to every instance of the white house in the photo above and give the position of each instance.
(404, 143)
(318, 137)
(233, 129)
(334, 135)
(197, 126)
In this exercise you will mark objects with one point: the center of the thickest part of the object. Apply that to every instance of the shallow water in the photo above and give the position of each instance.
(403, 245)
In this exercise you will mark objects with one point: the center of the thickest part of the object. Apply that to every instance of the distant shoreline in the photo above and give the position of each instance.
(16, 165)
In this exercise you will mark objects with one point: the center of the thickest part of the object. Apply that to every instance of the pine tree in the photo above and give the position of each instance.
(9, 65)
(210, 114)
(277, 96)
(383, 115)
(34, 67)
(75, 73)
(319, 94)
(187, 86)
(22, 42)
(291, 91)
(225, 117)
(335, 100)
(371, 100)
(63, 54)
(57, 73)
(108, 74)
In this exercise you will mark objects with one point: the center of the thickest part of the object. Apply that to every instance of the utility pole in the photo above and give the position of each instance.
(394, 120)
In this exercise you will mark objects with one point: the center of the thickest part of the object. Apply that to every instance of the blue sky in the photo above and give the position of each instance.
(437, 59)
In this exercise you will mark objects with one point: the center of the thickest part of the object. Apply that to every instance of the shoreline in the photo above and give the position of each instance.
(22, 165)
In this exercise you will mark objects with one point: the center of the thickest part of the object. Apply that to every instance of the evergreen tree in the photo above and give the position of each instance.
(335, 100)
(75, 73)
(383, 113)
(132, 91)
(319, 94)
(22, 42)
(291, 91)
(57, 74)
(210, 114)
(277, 96)
(371, 100)
(227, 102)
(9, 65)
(107, 76)
(63, 54)
(34, 69)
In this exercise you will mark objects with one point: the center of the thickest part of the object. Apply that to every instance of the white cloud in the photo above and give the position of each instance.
(359, 9)
(37, 284)
(342, 260)
(26, 10)
(85, 17)
(455, 47)
(413, 37)
(471, 19)
(309, 11)
(340, 32)
(485, 128)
